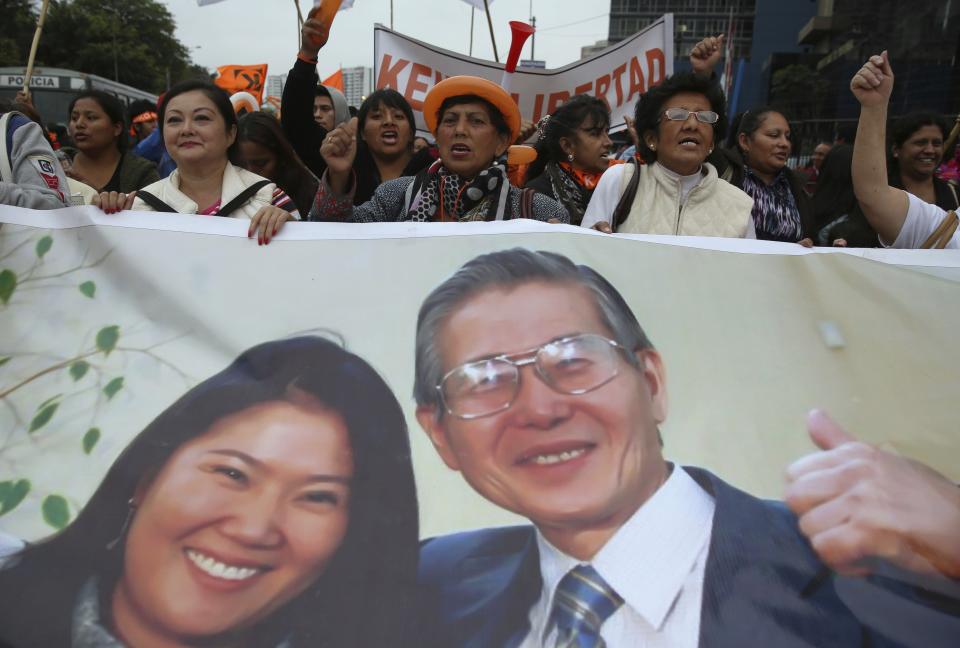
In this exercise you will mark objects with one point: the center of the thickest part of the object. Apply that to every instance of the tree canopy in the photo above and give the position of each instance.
(799, 90)
(131, 41)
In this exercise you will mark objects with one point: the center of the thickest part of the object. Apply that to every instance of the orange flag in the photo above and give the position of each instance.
(335, 80)
(242, 78)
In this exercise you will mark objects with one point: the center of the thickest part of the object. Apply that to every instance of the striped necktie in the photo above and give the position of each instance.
(582, 602)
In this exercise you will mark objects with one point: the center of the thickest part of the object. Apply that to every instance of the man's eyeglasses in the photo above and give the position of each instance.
(682, 114)
(571, 365)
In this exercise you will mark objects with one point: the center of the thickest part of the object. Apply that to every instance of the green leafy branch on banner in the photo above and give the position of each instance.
(106, 340)
(11, 281)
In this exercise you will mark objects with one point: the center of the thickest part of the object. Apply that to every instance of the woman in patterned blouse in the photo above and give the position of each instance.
(758, 165)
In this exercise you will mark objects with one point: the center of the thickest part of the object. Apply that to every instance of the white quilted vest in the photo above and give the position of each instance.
(714, 207)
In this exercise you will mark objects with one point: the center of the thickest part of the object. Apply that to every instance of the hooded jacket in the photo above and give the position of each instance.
(36, 178)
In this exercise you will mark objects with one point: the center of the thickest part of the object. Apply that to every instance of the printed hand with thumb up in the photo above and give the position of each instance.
(855, 502)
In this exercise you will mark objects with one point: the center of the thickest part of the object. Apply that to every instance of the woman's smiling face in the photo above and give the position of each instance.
(238, 522)
(194, 131)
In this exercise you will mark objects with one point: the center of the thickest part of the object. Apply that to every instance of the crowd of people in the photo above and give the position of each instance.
(689, 170)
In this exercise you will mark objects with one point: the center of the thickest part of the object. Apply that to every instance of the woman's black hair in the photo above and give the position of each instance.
(496, 117)
(649, 108)
(909, 124)
(27, 111)
(365, 597)
(564, 122)
(834, 207)
(138, 107)
(752, 120)
(903, 128)
(292, 174)
(113, 109)
(214, 93)
(387, 98)
(734, 129)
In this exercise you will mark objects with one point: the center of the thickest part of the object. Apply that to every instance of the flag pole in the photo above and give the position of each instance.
(473, 10)
(33, 47)
(486, 6)
(952, 137)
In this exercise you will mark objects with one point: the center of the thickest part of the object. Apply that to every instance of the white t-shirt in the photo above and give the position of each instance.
(922, 219)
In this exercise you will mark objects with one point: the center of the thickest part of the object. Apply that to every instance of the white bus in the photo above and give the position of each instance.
(53, 88)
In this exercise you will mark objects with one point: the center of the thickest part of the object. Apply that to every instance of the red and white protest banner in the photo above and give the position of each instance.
(618, 74)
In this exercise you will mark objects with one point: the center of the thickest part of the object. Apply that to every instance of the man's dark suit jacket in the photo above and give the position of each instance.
(763, 586)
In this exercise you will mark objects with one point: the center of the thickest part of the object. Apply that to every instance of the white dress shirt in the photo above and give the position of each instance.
(655, 562)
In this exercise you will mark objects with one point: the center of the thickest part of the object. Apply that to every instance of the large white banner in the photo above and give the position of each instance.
(618, 74)
(229, 430)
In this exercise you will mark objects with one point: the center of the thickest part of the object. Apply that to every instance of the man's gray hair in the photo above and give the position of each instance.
(508, 269)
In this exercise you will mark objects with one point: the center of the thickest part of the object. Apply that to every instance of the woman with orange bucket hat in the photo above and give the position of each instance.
(474, 121)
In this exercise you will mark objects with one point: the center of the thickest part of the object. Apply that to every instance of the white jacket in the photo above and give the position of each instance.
(235, 180)
(713, 207)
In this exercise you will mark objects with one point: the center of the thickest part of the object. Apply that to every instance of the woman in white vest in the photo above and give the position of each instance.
(676, 191)
(200, 133)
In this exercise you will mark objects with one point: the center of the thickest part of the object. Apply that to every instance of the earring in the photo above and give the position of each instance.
(131, 508)
(570, 157)
(653, 147)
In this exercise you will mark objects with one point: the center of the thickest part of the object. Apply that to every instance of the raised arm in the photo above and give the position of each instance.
(296, 107)
(706, 54)
(884, 206)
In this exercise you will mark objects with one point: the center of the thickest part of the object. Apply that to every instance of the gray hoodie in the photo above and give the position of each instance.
(38, 180)
(341, 109)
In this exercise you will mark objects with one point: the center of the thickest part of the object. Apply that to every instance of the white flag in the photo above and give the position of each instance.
(346, 4)
(476, 3)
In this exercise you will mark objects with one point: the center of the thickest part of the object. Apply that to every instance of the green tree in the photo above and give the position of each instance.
(799, 91)
(16, 31)
(132, 41)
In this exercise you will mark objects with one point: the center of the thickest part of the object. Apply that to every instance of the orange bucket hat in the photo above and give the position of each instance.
(457, 86)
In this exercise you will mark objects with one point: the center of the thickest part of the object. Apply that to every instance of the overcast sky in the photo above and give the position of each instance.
(265, 31)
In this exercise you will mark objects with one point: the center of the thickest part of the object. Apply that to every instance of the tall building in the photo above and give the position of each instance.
(760, 28)
(275, 83)
(923, 38)
(693, 20)
(357, 84)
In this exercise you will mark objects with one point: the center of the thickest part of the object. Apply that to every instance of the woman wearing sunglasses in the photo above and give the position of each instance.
(676, 191)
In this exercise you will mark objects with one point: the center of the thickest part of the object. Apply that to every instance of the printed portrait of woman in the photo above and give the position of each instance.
(273, 505)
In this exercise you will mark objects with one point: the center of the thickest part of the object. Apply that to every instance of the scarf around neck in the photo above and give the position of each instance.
(776, 216)
(571, 188)
(439, 195)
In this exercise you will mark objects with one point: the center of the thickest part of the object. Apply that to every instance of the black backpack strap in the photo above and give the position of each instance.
(526, 202)
(241, 198)
(154, 202)
(626, 200)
